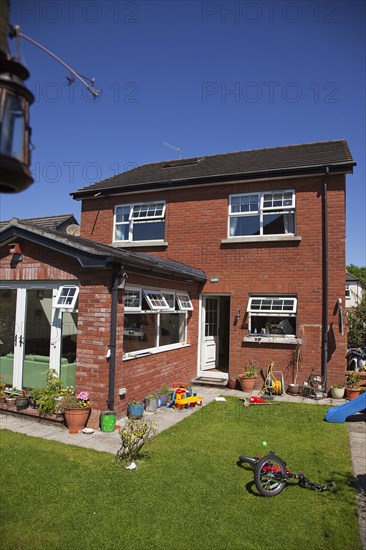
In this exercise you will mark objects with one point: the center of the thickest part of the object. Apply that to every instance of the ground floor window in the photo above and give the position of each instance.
(272, 315)
(149, 326)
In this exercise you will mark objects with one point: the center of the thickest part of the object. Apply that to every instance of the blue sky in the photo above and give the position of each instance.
(205, 76)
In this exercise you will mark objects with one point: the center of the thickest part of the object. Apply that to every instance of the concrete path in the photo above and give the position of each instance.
(166, 418)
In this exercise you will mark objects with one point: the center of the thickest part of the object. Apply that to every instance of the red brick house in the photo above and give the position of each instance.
(188, 268)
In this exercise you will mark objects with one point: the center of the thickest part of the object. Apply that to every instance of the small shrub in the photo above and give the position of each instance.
(134, 434)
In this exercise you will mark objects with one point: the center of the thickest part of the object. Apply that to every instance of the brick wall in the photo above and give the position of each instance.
(140, 376)
(196, 223)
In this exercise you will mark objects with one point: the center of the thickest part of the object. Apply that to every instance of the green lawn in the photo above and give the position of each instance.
(188, 491)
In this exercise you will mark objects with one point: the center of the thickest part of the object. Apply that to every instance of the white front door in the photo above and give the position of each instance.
(210, 333)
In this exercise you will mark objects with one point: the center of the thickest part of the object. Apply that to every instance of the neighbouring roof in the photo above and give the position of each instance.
(95, 255)
(258, 163)
(352, 279)
(49, 222)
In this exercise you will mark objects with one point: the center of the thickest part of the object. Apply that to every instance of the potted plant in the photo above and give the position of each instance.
(2, 392)
(151, 403)
(135, 409)
(231, 383)
(163, 397)
(337, 391)
(248, 377)
(76, 411)
(12, 395)
(294, 364)
(22, 402)
(353, 389)
(43, 398)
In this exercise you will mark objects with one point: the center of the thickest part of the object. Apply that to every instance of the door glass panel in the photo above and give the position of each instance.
(8, 332)
(211, 317)
(68, 348)
(37, 336)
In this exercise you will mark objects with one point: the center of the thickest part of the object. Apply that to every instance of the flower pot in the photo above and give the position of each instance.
(293, 389)
(22, 403)
(108, 421)
(163, 400)
(76, 419)
(337, 393)
(10, 402)
(135, 410)
(247, 384)
(151, 404)
(352, 393)
(231, 383)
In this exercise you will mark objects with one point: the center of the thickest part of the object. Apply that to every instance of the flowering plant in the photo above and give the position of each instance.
(72, 401)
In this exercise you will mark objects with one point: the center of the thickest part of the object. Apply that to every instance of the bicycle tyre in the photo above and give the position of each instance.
(270, 475)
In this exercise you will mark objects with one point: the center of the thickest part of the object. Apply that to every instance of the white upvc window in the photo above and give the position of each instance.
(272, 315)
(143, 221)
(66, 297)
(262, 214)
(132, 299)
(155, 320)
(170, 299)
(156, 300)
(184, 301)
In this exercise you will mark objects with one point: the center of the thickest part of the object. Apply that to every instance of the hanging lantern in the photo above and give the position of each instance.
(15, 100)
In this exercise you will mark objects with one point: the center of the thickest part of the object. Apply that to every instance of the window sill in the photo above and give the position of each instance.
(264, 239)
(147, 352)
(263, 339)
(134, 244)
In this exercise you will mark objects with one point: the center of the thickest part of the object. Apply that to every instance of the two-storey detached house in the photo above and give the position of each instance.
(190, 268)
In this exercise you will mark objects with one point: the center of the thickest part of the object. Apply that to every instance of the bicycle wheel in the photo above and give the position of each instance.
(270, 475)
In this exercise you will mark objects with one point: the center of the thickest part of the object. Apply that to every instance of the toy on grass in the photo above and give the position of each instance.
(254, 400)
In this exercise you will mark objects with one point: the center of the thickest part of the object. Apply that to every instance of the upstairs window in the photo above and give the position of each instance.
(262, 214)
(272, 315)
(139, 222)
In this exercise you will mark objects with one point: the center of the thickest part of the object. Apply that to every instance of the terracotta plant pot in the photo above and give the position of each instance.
(247, 384)
(231, 383)
(352, 393)
(76, 419)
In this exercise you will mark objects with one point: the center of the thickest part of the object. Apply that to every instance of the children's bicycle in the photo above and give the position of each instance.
(271, 475)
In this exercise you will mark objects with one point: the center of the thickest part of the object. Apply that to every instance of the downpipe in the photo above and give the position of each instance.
(117, 277)
(325, 268)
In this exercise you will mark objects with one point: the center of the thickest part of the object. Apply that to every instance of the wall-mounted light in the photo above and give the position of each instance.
(214, 280)
(16, 254)
(237, 316)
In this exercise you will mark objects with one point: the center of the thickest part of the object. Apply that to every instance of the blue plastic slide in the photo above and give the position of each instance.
(340, 413)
